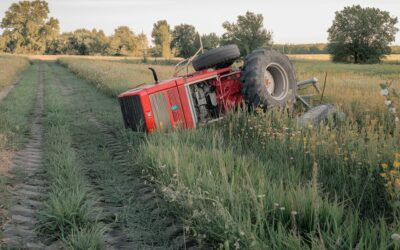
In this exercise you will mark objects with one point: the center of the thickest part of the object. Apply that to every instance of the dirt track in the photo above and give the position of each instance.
(131, 210)
(28, 185)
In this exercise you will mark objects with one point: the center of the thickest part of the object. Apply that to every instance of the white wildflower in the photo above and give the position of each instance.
(294, 213)
(393, 110)
(396, 119)
(395, 237)
(282, 208)
(388, 102)
(384, 92)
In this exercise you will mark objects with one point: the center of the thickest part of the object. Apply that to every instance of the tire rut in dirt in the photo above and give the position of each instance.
(145, 193)
(28, 185)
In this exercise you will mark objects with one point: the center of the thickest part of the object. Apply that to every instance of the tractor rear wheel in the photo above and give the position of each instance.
(220, 57)
(268, 79)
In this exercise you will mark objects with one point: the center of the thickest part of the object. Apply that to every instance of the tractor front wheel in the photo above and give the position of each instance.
(268, 79)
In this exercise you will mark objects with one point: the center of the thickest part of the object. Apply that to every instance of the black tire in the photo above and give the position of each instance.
(315, 115)
(266, 67)
(220, 57)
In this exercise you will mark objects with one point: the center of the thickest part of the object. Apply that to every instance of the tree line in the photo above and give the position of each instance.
(28, 29)
(357, 35)
(315, 48)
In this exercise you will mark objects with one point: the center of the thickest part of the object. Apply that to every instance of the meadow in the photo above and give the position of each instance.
(259, 181)
(249, 181)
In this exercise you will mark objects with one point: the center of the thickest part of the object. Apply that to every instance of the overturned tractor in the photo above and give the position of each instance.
(266, 80)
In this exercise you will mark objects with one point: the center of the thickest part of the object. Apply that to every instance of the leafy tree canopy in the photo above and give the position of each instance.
(28, 27)
(210, 41)
(123, 42)
(361, 35)
(248, 33)
(183, 39)
(162, 37)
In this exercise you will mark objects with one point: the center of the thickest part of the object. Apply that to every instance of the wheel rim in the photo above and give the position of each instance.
(276, 81)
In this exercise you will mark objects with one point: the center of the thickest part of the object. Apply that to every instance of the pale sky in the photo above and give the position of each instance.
(291, 21)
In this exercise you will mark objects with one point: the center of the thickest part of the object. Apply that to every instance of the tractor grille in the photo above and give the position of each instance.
(160, 109)
(132, 113)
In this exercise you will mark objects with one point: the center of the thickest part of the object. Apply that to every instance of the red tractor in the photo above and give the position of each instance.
(267, 79)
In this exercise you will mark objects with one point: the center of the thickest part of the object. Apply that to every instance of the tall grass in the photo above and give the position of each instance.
(114, 77)
(264, 184)
(10, 67)
(258, 181)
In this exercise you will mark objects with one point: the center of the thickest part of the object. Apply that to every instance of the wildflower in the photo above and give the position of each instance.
(261, 196)
(393, 110)
(282, 208)
(395, 237)
(276, 205)
(383, 175)
(294, 213)
(388, 102)
(384, 92)
(384, 165)
(396, 119)
(396, 164)
(392, 173)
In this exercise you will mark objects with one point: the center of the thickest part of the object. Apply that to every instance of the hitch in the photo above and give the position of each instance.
(302, 98)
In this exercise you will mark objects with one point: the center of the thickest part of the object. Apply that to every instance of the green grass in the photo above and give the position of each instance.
(118, 182)
(68, 209)
(251, 181)
(16, 108)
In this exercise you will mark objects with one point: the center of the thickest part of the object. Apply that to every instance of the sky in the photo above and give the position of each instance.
(291, 21)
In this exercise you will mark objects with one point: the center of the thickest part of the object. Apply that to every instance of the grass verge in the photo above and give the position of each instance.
(15, 112)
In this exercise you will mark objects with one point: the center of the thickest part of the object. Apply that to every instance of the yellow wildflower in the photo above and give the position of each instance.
(383, 175)
(397, 183)
(392, 172)
(396, 164)
(384, 165)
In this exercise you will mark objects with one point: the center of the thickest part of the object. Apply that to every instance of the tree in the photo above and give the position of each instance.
(161, 35)
(248, 33)
(123, 41)
(210, 41)
(3, 43)
(142, 45)
(183, 39)
(361, 35)
(28, 27)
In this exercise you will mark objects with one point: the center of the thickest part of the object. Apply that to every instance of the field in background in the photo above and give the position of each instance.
(226, 181)
(395, 58)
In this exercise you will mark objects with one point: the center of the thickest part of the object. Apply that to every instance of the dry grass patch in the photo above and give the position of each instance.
(10, 67)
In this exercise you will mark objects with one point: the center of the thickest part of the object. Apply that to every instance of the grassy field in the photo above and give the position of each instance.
(10, 67)
(394, 58)
(257, 181)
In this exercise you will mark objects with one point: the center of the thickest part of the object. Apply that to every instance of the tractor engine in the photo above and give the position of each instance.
(205, 101)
